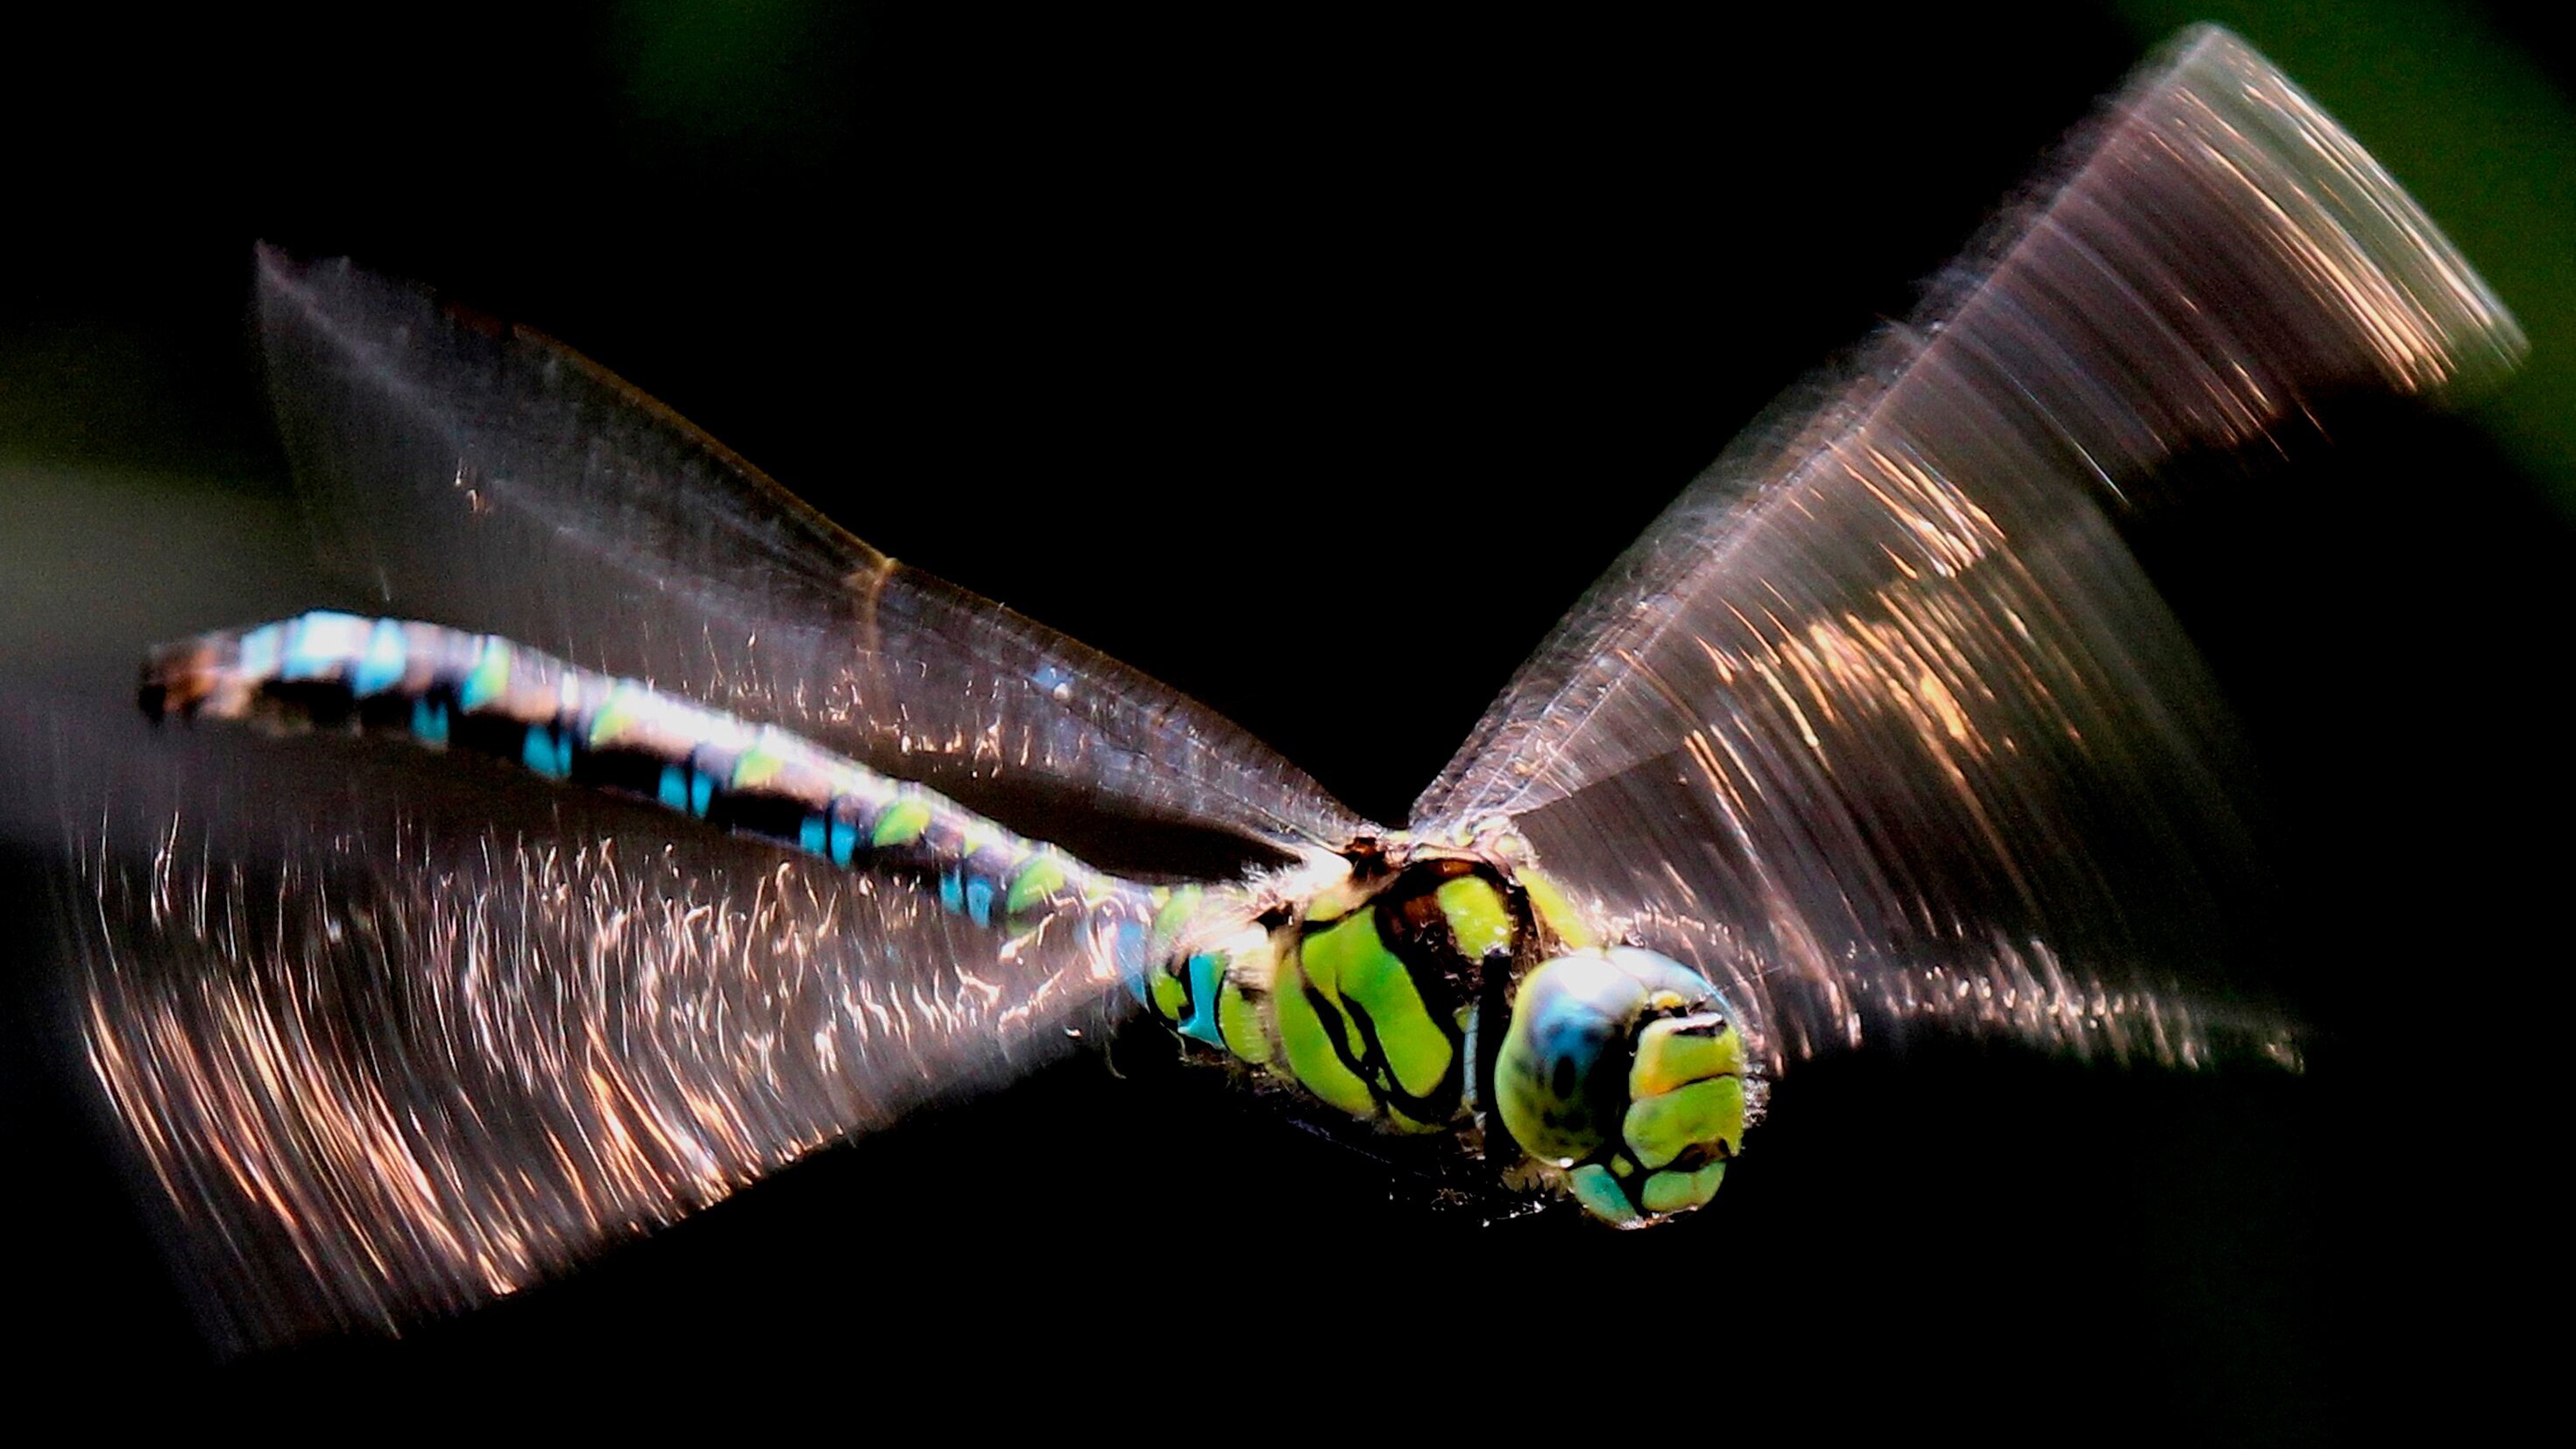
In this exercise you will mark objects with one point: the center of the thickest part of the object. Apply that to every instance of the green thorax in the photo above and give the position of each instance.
(1363, 982)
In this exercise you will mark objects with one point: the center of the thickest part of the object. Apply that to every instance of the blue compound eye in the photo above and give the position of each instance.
(1623, 1075)
(1552, 1082)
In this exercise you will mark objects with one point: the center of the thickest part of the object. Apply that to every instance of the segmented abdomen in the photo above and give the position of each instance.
(448, 689)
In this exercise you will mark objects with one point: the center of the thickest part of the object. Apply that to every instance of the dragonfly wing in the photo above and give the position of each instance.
(484, 476)
(413, 1034)
(1882, 721)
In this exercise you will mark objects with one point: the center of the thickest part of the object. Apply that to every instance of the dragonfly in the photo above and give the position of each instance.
(1855, 744)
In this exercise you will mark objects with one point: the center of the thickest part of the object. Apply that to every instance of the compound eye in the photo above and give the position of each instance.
(1623, 1074)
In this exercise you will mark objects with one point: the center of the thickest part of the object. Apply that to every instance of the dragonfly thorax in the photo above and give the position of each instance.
(1360, 979)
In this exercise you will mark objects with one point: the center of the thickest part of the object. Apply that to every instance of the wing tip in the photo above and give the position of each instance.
(2432, 324)
(2209, 263)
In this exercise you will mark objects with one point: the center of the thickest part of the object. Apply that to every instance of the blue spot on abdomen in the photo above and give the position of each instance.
(316, 644)
(429, 721)
(380, 667)
(1207, 973)
(673, 788)
(548, 751)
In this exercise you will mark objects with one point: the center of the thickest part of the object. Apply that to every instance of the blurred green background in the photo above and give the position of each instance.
(2469, 106)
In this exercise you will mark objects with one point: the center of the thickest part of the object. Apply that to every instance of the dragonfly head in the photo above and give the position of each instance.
(1623, 1076)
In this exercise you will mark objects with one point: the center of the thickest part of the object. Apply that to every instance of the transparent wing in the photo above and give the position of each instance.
(484, 476)
(396, 1033)
(1881, 721)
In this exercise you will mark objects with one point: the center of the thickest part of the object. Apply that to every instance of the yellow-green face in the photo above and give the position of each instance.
(1624, 1074)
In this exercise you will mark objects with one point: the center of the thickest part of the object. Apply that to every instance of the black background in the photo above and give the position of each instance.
(1240, 345)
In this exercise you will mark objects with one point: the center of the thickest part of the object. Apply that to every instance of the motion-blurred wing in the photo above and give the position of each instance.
(398, 1032)
(1881, 721)
(484, 476)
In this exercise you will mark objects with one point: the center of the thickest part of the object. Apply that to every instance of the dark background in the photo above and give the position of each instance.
(1039, 299)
